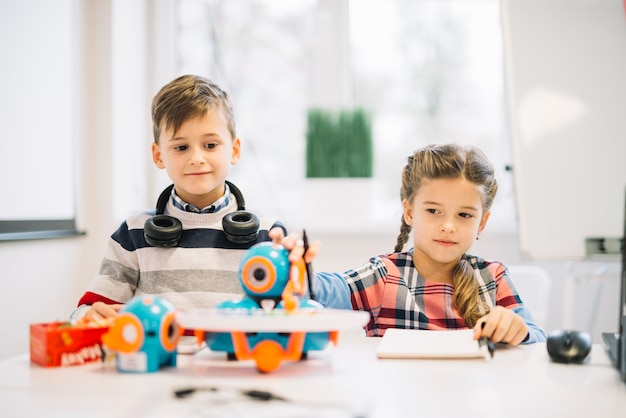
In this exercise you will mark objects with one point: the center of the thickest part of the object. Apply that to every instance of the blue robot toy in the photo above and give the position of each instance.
(274, 297)
(144, 335)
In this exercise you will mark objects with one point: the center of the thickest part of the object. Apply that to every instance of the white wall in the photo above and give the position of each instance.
(31, 132)
(566, 100)
(118, 64)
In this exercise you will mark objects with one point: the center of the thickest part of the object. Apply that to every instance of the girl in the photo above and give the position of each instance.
(447, 192)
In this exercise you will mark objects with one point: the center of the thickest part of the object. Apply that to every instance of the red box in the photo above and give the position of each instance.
(64, 344)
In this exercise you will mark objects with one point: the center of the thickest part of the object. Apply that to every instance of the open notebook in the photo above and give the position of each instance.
(412, 343)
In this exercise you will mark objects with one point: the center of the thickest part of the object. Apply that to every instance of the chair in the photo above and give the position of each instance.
(533, 284)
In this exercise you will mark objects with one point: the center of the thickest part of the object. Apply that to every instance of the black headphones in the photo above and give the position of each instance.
(240, 227)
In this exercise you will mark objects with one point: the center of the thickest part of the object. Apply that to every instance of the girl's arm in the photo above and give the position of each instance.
(535, 333)
(509, 321)
(332, 291)
(512, 325)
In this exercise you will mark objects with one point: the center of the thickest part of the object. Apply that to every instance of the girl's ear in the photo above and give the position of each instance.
(407, 212)
(483, 221)
(156, 155)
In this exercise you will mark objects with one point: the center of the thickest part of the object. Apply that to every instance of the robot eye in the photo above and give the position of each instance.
(170, 332)
(258, 275)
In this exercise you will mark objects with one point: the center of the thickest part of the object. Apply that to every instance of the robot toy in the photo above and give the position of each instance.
(274, 303)
(144, 335)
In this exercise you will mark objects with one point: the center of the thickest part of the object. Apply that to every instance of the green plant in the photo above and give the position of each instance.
(338, 144)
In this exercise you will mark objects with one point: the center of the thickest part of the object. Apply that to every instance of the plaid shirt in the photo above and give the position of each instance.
(220, 203)
(397, 296)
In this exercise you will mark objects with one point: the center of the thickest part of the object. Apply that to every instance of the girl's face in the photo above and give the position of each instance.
(197, 157)
(447, 216)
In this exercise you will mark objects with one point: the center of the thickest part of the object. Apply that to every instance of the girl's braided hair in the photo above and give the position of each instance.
(451, 161)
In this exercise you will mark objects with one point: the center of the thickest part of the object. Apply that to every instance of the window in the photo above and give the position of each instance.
(36, 162)
(427, 71)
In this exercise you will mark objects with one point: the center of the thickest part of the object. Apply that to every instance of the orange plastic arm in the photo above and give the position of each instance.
(268, 354)
(199, 334)
(295, 285)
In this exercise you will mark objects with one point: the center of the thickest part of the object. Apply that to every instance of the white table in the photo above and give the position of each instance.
(343, 381)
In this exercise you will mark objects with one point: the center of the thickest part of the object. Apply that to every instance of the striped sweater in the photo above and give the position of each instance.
(200, 272)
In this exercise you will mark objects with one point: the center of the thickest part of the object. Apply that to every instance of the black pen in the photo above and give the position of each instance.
(482, 341)
(309, 268)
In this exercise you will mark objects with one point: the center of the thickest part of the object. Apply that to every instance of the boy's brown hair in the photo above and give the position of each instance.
(187, 97)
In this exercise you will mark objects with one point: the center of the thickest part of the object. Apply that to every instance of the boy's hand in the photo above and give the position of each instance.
(501, 325)
(295, 245)
(100, 310)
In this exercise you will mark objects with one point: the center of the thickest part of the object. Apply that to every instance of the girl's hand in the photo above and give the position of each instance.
(295, 245)
(501, 325)
(100, 310)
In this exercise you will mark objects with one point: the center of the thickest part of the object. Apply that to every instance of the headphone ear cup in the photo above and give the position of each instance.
(163, 231)
(241, 227)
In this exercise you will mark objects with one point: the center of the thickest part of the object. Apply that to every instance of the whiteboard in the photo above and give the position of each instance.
(565, 64)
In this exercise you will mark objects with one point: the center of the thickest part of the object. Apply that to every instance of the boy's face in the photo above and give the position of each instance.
(197, 157)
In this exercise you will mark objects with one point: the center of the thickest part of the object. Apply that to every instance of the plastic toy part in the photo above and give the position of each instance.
(274, 287)
(244, 331)
(144, 335)
(125, 335)
(268, 277)
(273, 322)
(295, 286)
(268, 354)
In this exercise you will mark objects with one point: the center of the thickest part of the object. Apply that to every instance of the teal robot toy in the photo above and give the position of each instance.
(144, 335)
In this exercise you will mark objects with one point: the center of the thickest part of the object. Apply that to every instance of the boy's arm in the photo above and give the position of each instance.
(79, 312)
(92, 304)
(97, 310)
(116, 280)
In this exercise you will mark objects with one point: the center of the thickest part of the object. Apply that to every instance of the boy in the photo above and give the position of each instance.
(196, 143)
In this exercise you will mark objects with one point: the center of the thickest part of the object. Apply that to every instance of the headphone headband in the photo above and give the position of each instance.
(240, 227)
(163, 198)
(165, 195)
(241, 203)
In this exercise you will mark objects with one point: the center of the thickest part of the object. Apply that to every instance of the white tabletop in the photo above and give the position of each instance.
(343, 381)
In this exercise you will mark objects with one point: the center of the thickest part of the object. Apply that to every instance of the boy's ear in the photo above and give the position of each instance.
(234, 159)
(156, 155)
